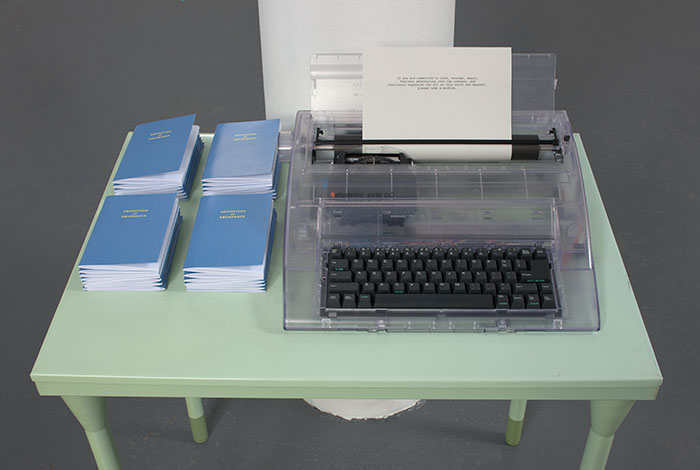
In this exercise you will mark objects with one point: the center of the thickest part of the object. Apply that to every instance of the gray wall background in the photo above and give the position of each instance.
(77, 76)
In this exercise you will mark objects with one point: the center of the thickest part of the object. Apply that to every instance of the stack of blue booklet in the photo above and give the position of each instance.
(243, 159)
(132, 243)
(231, 244)
(161, 157)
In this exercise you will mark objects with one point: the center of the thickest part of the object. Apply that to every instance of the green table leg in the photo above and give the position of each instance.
(606, 417)
(516, 418)
(91, 413)
(198, 423)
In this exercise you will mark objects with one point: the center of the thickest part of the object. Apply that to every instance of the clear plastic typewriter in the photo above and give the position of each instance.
(378, 237)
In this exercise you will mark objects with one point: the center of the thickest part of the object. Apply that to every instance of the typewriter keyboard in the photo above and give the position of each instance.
(427, 279)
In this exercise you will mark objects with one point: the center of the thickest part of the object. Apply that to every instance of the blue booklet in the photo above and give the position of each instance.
(132, 230)
(231, 231)
(156, 147)
(243, 149)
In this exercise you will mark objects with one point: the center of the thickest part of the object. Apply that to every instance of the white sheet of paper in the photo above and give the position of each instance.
(436, 93)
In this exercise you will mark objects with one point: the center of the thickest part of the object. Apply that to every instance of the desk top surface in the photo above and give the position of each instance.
(179, 343)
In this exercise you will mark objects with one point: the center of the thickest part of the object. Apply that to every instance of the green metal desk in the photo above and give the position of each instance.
(193, 345)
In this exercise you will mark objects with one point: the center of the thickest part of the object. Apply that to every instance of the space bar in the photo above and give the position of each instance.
(411, 301)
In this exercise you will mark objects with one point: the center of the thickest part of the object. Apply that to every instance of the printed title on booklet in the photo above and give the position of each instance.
(134, 213)
(233, 214)
(159, 135)
(247, 136)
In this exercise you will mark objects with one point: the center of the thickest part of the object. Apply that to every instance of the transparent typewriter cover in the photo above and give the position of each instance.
(519, 203)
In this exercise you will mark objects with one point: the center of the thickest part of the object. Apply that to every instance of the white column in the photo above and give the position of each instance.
(292, 30)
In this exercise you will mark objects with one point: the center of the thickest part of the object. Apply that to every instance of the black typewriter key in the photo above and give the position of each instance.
(394, 253)
(495, 277)
(357, 265)
(364, 301)
(379, 253)
(461, 265)
(511, 254)
(481, 276)
(446, 265)
(526, 254)
(520, 265)
(504, 288)
(408, 253)
(438, 253)
(340, 276)
(387, 265)
(428, 288)
(474, 288)
(344, 287)
(548, 301)
(402, 265)
(502, 301)
(490, 288)
(546, 288)
(348, 300)
(351, 253)
(391, 277)
(383, 288)
(468, 253)
(335, 253)
(361, 277)
(482, 254)
(452, 253)
(451, 276)
(491, 265)
(444, 288)
(540, 270)
(417, 265)
(413, 288)
(533, 301)
(338, 264)
(423, 253)
(497, 253)
(459, 288)
(539, 253)
(465, 276)
(435, 276)
(376, 277)
(431, 265)
(398, 288)
(525, 288)
(406, 276)
(476, 265)
(505, 265)
(333, 301)
(534, 276)
(365, 253)
(510, 276)
(420, 276)
(372, 265)
(368, 288)
(517, 302)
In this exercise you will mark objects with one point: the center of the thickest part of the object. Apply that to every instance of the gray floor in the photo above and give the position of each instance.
(76, 76)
